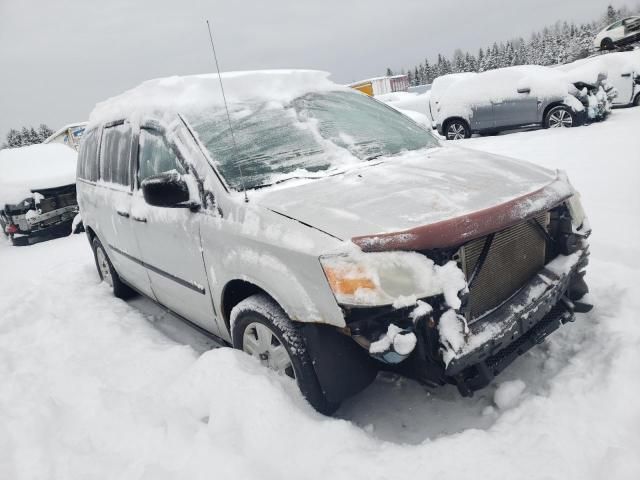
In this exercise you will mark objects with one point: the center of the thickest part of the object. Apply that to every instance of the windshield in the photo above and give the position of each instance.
(314, 135)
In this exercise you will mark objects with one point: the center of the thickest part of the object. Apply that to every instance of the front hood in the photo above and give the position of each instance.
(380, 205)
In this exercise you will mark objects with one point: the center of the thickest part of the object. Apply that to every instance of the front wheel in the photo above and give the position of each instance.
(606, 44)
(260, 328)
(559, 117)
(457, 130)
(636, 101)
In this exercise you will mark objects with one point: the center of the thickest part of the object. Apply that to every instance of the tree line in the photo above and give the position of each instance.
(561, 43)
(26, 136)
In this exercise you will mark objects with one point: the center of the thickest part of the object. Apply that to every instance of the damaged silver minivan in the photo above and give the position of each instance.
(326, 234)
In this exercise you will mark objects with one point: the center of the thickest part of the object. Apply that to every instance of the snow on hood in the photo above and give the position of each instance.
(184, 93)
(400, 193)
(35, 167)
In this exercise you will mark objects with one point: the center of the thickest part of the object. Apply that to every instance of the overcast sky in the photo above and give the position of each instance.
(59, 57)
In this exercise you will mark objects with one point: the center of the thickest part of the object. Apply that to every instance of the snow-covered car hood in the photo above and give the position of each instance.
(385, 204)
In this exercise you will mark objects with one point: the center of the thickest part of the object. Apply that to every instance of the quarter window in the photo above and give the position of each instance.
(115, 152)
(88, 156)
(156, 156)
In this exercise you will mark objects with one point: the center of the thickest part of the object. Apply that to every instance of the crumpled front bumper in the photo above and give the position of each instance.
(499, 337)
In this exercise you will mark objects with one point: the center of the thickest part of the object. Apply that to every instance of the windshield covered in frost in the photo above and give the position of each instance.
(316, 134)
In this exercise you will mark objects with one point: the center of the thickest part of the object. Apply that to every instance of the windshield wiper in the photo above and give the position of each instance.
(282, 180)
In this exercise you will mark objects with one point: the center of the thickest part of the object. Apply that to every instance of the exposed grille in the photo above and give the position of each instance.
(515, 255)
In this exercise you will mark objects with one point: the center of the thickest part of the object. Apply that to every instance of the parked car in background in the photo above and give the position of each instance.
(438, 88)
(508, 98)
(69, 135)
(621, 70)
(330, 236)
(37, 192)
(619, 33)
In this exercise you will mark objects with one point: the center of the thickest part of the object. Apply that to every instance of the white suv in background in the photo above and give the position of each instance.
(618, 33)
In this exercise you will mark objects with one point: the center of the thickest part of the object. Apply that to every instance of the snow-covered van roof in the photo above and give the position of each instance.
(41, 166)
(184, 93)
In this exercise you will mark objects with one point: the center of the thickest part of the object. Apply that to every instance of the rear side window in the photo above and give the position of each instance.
(115, 152)
(155, 155)
(88, 156)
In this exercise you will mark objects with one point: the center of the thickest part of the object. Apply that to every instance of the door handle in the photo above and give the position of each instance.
(140, 219)
(122, 213)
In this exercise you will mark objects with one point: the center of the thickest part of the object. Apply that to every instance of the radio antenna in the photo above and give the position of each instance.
(224, 98)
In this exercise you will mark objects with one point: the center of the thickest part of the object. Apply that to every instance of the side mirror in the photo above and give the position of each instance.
(524, 90)
(166, 190)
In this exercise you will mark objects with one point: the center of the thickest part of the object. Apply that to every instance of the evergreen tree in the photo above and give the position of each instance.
(44, 132)
(611, 15)
(26, 136)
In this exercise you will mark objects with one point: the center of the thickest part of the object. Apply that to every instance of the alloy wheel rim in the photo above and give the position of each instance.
(455, 131)
(260, 342)
(560, 119)
(103, 265)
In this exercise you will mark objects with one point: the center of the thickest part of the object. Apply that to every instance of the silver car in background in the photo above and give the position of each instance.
(326, 234)
(506, 98)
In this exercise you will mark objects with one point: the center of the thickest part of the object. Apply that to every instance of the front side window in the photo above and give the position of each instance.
(316, 132)
(115, 153)
(155, 156)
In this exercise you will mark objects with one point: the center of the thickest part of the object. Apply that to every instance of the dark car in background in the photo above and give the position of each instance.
(37, 192)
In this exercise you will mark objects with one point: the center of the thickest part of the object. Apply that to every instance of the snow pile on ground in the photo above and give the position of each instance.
(92, 389)
(35, 167)
(184, 93)
(508, 394)
(501, 84)
(413, 105)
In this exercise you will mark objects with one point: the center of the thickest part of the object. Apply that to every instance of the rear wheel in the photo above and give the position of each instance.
(457, 130)
(107, 273)
(636, 101)
(606, 44)
(559, 117)
(260, 328)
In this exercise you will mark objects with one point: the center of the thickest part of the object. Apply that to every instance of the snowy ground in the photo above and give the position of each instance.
(93, 387)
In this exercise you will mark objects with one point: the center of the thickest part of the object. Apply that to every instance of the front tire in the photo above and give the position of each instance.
(559, 117)
(457, 130)
(606, 44)
(107, 273)
(636, 101)
(260, 328)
